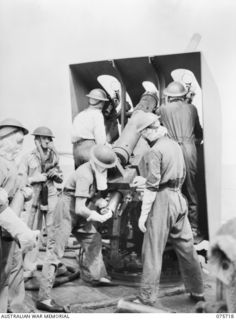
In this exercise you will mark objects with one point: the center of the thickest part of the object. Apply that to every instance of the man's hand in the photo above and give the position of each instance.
(27, 193)
(96, 217)
(106, 213)
(28, 239)
(141, 223)
(148, 200)
(139, 183)
(101, 203)
(24, 236)
(51, 173)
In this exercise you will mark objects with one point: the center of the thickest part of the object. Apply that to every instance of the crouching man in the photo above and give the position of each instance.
(164, 214)
(75, 213)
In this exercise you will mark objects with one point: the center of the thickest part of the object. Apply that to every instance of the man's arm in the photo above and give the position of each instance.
(90, 215)
(15, 226)
(148, 199)
(81, 209)
(198, 129)
(99, 130)
(23, 173)
(55, 174)
(152, 185)
(154, 171)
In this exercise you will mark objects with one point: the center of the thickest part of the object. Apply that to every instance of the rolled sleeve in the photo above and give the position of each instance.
(154, 168)
(82, 187)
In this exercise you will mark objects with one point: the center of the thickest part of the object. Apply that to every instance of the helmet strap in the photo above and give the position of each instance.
(94, 104)
(43, 155)
(9, 134)
(173, 99)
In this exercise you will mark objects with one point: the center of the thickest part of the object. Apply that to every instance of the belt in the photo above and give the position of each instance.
(173, 184)
(182, 140)
(68, 190)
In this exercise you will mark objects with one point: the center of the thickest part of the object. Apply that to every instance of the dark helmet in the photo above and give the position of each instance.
(9, 125)
(43, 132)
(175, 89)
(104, 156)
(97, 94)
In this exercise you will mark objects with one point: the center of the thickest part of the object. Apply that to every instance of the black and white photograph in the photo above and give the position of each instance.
(117, 158)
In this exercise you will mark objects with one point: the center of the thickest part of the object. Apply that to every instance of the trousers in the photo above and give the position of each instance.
(168, 218)
(189, 186)
(35, 222)
(12, 289)
(92, 267)
(16, 287)
(7, 250)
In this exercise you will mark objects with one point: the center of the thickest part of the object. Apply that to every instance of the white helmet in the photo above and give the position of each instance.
(97, 94)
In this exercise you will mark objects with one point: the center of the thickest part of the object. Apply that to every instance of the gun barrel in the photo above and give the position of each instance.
(127, 141)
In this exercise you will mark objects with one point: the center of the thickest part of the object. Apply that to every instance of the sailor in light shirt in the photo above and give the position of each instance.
(88, 127)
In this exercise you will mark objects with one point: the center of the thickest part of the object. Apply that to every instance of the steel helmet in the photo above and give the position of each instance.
(152, 94)
(9, 125)
(43, 131)
(104, 156)
(175, 89)
(97, 94)
(144, 119)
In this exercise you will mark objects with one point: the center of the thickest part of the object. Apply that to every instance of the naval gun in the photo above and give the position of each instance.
(121, 232)
(125, 202)
(123, 254)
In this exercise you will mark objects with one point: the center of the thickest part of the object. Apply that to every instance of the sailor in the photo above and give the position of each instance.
(164, 214)
(11, 226)
(182, 122)
(76, 213)
(88, 127)
(41, 166)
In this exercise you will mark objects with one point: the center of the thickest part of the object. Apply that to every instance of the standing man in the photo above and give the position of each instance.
(42, 168)
(88, 127)
(76, 213)
(164, 214)
(11, 226)
(182, 122)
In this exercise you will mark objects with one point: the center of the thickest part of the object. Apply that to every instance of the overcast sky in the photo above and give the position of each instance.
(40, 38)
